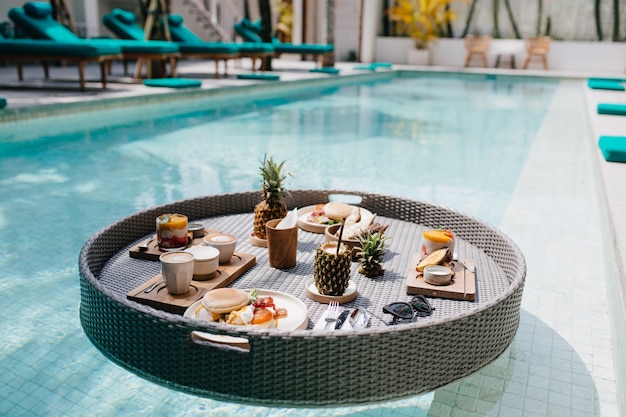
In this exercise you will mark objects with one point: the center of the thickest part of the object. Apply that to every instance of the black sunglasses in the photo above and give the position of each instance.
(408, 311)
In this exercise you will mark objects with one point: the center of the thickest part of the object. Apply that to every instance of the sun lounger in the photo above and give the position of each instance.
(192, 45)
(123, 24)
(35, 19)
(613, 148)
(20, 51)
(250, 32)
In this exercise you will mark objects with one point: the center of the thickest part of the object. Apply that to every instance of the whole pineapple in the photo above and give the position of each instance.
(273, 191)
(371, 254)
(331, 272)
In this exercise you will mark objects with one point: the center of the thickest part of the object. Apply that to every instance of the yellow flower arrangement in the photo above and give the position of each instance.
(422, 20)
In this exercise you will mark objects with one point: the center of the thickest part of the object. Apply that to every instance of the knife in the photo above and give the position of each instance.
(342, 318)
(464, 282)
(470, 264)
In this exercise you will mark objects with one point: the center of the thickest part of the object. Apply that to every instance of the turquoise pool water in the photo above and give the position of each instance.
(453, 140)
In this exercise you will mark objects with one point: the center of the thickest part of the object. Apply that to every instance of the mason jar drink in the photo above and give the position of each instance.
(172, 231)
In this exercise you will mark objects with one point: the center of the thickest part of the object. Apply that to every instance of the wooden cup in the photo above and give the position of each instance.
(282, 245)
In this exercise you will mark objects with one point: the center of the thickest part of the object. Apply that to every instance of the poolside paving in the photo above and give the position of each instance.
(567, 325)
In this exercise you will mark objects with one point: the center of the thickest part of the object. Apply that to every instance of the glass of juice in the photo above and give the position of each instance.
(172, 231)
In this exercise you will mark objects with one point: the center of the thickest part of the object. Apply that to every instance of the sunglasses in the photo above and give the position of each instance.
(401, 310)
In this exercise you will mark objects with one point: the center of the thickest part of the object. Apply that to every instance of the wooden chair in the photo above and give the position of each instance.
(477, 46)
(538, 47)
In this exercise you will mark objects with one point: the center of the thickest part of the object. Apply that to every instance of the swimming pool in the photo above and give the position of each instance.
(459, 141)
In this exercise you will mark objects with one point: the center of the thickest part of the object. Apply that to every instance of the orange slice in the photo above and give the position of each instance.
(438, 236)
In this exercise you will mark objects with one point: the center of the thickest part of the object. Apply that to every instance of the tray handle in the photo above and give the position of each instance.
(222, 342)
(352, 199)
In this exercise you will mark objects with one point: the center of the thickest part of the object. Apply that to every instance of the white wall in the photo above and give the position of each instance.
(347, 27)
(563, 55)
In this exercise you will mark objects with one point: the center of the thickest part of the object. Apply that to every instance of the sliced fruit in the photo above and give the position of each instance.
(434, 258)
(439, 235)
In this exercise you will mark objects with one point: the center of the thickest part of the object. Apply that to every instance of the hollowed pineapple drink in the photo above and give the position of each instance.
(172, 231)
(331, 271)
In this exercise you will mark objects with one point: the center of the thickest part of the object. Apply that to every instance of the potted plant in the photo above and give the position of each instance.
(422, 20)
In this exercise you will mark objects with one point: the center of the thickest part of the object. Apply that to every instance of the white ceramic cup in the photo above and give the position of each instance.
(206, 261)
(223, 242)
(177, 269)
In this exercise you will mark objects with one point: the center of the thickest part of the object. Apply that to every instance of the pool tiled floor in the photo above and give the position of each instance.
(562, 360)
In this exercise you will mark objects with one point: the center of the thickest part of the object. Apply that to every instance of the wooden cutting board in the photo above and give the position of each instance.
(153, 252)
(163, 300)
(462, 287)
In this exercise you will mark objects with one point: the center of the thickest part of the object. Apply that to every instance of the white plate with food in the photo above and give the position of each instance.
(296, 318)
(313, 219)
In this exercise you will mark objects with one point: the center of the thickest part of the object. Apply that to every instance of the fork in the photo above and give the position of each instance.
(331, 314)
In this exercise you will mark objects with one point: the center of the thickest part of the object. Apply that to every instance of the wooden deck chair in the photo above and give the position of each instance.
(538, 47)
(35, 19)
(477, 46)
(20, 51)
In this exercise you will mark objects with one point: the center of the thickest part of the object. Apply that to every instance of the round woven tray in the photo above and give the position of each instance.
(301, 367)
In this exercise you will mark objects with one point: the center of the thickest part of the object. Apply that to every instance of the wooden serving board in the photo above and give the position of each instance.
(153, 252)
(163, 300)
(462, 287)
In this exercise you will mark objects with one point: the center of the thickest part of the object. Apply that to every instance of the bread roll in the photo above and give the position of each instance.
(225, 300)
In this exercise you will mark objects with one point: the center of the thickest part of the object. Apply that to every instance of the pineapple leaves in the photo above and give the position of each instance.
(371, 253)
(273, 178)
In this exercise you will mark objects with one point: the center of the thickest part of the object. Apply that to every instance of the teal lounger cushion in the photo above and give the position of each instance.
(613, 148)
(3, 102)
(37, 9)
(617, 80)
(247, 32)
(599, 84)
(610, 108)
(365, 67)
(257, 76)
(172, 82)
(44, 48)
(139, 47)
(326, 70)
(123, 24)
(255, 47)
(303, 48)
(373, 66)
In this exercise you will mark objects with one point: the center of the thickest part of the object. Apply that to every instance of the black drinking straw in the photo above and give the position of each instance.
(340, 233)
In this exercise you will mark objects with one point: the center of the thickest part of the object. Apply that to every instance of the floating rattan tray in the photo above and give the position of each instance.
(366, 364)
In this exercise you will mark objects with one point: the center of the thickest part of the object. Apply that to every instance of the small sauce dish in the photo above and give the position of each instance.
(196, 229)
(437, 275)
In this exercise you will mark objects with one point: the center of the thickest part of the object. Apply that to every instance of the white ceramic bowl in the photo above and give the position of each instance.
(206, 261)
(437, 275)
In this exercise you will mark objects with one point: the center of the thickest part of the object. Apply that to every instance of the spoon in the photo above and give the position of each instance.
(455, 258)
(359, 318)
(153, 286)
(144, 246)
